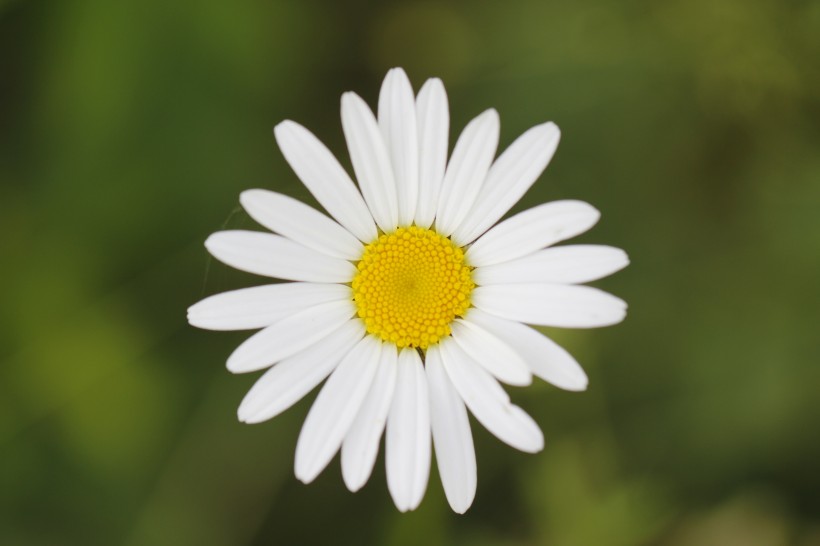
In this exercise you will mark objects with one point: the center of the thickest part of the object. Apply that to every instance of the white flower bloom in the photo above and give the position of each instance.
(411, 300)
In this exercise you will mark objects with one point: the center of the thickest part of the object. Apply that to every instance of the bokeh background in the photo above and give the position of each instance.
(128, 129)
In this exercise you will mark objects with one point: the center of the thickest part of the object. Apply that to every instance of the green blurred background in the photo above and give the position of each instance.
(128, 129)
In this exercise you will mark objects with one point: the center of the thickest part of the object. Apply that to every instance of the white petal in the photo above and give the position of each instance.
(278, 257)
(291, 379)
(335, 409)
(452, 438)
(407, 448)
(571, 264)
(433, 116)
(397, 120)
(301, 223)
(564, 306)
(361, 445)
(289, 336)
(544, 357)
(532, 230)
(322, 175)
(261, 306)
(509, 178)
(467, 170)
(488, 401)
(492, 353)
(370, 161)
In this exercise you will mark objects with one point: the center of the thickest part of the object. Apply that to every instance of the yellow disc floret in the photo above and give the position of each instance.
(410, 286)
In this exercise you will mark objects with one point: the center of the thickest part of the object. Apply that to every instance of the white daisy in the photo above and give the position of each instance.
(410, 299)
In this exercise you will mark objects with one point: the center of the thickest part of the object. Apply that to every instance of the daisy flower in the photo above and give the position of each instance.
(411, 298)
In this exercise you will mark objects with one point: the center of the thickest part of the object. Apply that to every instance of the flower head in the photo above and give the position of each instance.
(412, 300)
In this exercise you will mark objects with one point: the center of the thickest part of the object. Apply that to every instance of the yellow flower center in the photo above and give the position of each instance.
(410, 286)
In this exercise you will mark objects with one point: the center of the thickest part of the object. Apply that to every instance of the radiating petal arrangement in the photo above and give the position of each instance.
(410, 301)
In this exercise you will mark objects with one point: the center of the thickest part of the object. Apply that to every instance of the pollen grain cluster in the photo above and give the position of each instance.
(410, 286)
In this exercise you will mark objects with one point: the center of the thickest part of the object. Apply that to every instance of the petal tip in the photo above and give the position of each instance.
(302, 473)
(247, 197)
(434, 86)
(552, 127)
(461, 506)
(212, 241)
(236, 364)
(396, 72)
(579, 385)
(284, 125)
(521, 381)
(491, 114)
(353, 483)
(349, 97)
(192, 319)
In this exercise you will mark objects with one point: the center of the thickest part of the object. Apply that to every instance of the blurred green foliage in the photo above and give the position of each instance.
(127, 130)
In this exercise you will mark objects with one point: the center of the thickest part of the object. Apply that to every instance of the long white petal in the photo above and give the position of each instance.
(289, 336)
(433, 115)
(276, 256)
(301, 223)
(488, 401)
(407, 448)
(492, 353)
(532, 230)
(292, 378)
(361, 445)
(564, 306)
(322, 175)
(371, 161)
(397, 120)
(452, 438)
(467, 170)
(261, 306)
(509, 178)
(545, 358)
(335, 408)
(573, 264)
